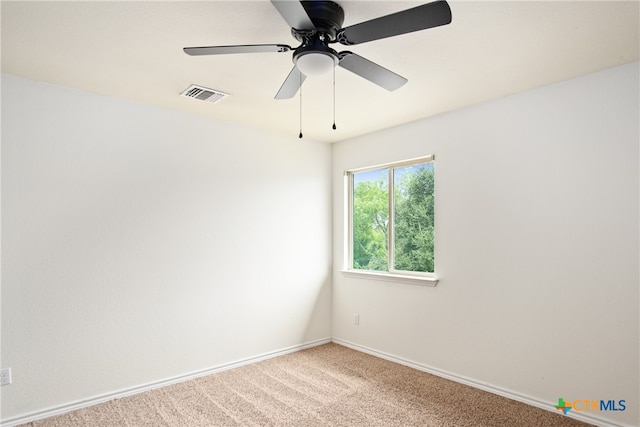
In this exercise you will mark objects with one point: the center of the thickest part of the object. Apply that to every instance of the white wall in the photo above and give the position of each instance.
(140, 244)
(537, 245)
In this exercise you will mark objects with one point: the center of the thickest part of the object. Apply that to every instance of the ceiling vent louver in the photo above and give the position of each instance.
(203, 94)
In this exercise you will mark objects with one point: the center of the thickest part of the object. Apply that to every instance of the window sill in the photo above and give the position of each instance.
(392, 277)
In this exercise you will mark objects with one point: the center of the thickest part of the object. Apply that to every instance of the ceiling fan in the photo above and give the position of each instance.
(317, 24)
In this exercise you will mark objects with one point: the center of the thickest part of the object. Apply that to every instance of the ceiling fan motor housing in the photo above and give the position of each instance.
(327, 17)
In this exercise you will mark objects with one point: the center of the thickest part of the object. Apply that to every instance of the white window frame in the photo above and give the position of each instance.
(393, 275)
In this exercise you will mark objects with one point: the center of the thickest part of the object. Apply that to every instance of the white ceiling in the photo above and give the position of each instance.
(133, 50)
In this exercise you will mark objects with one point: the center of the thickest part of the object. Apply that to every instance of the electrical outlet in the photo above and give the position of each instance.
(356, 319)
(5, 376)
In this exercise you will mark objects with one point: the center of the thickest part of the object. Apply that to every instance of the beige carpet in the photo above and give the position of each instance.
(328, 385)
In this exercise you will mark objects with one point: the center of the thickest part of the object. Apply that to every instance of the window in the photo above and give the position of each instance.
(390, 219)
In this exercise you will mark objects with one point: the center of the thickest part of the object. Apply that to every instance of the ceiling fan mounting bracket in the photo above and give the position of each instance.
(342, 39)
(302, 35)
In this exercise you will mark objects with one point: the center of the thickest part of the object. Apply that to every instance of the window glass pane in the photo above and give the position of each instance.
(371, 220)
(413, 218)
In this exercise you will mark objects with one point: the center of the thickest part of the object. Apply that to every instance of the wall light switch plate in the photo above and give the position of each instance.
(5, 376)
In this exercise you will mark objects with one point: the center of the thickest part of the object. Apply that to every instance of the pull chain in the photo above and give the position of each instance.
(300, 135)
(334, 98)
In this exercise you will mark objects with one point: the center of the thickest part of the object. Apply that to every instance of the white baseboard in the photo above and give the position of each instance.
(58, 410)
(472, 383)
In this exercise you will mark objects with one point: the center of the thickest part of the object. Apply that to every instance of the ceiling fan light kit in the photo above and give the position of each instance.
(315, 58)
(314, 64)
(317, 24)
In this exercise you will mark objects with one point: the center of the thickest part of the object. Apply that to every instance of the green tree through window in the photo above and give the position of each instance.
(371, 221)
(413, 218)
(400, 239)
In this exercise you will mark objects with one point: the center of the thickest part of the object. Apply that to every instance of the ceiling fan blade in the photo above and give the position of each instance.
(294, 13)
(371, 71)
(291, 84)
(243, 48)
(407, 21)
